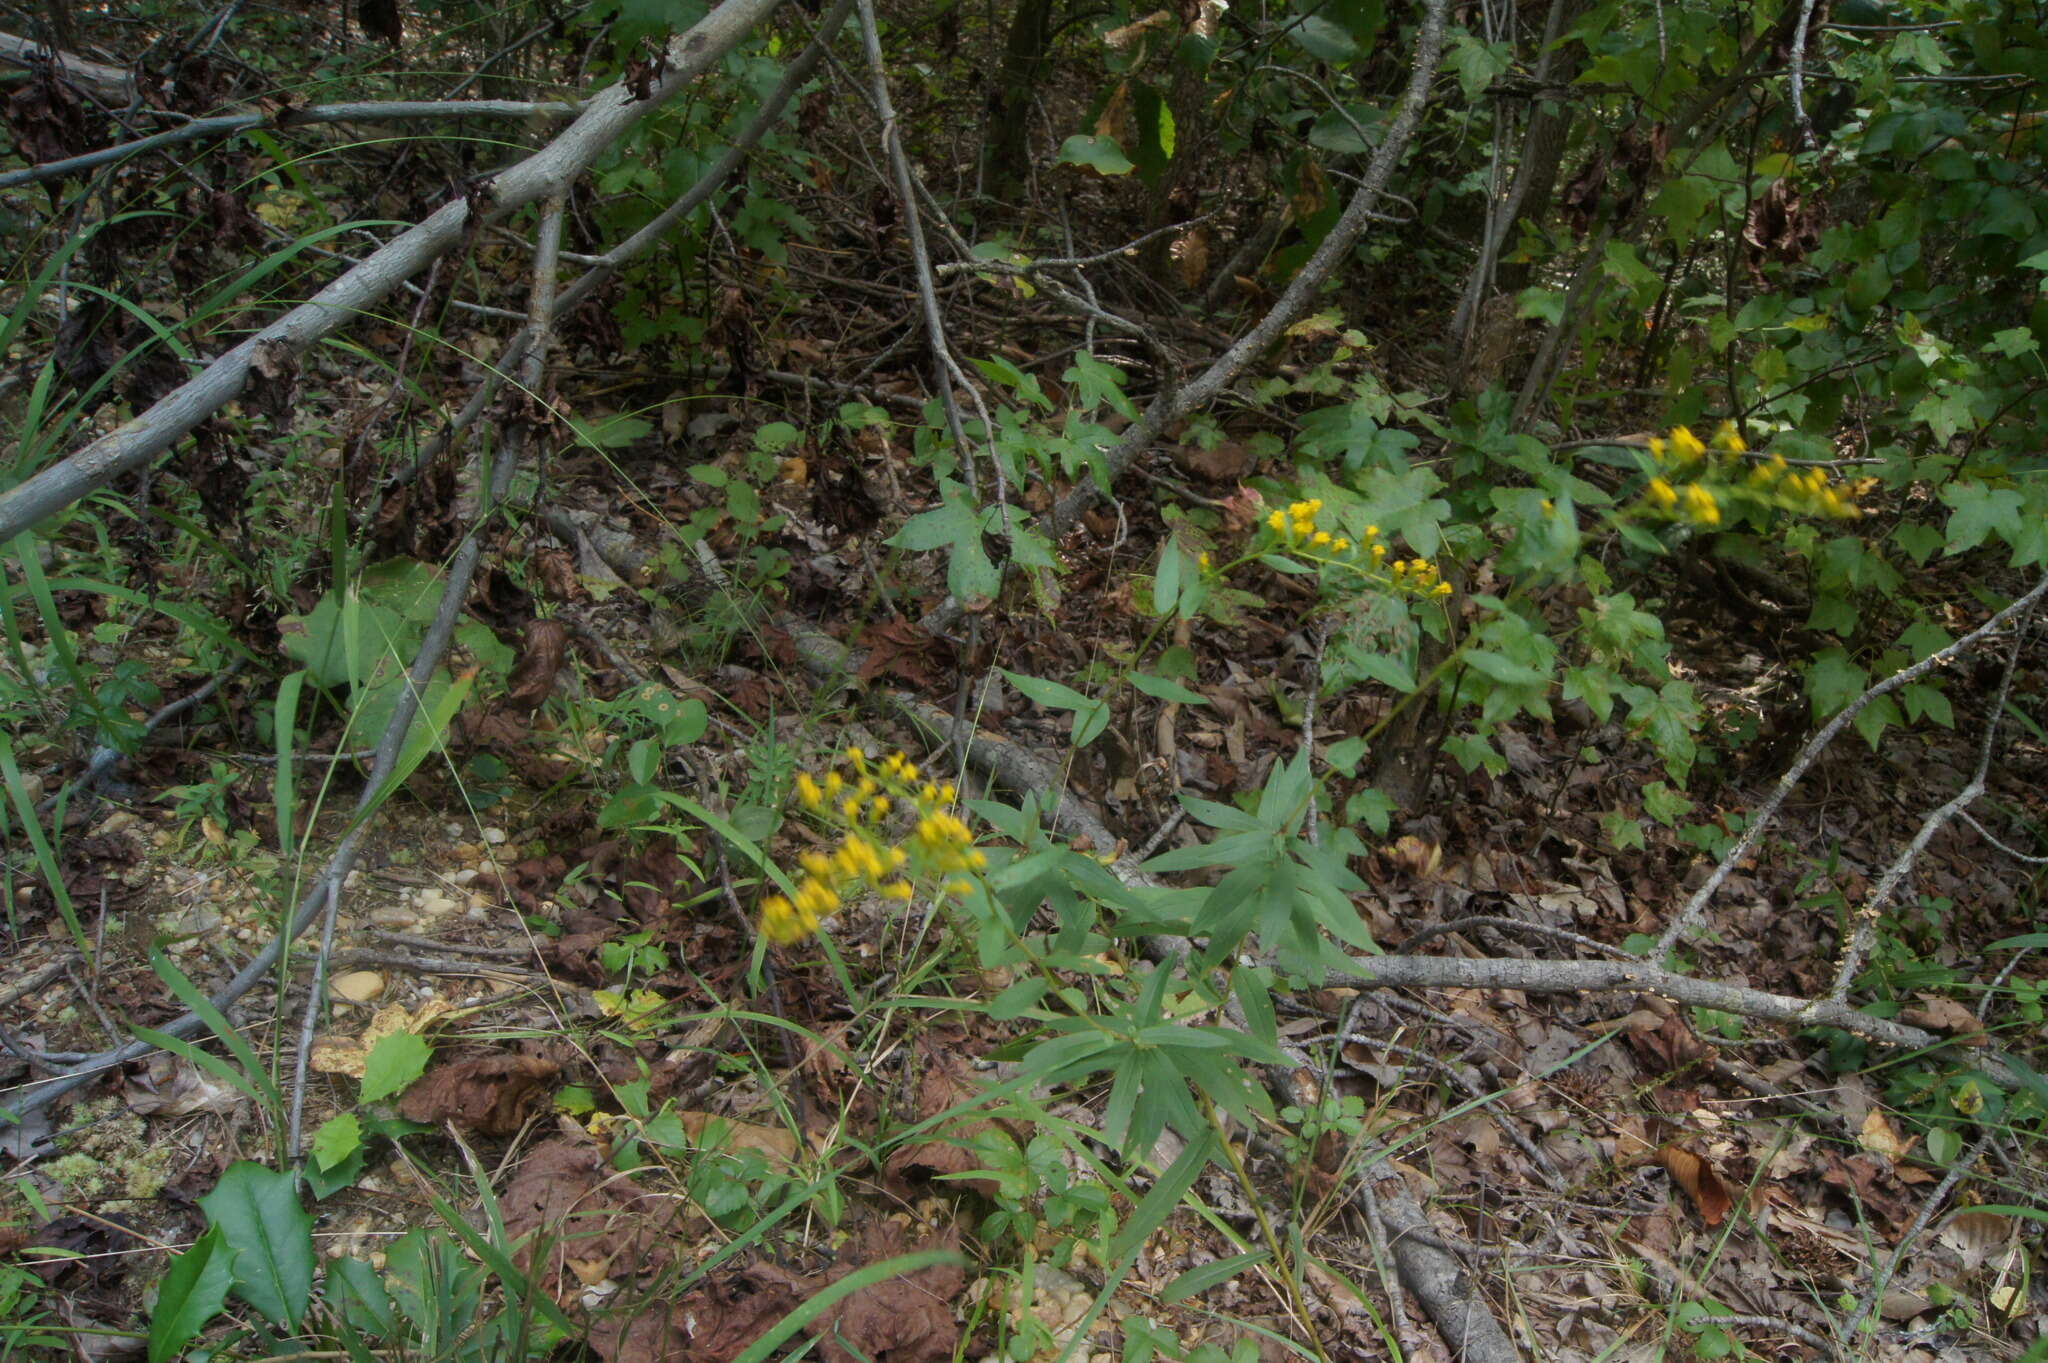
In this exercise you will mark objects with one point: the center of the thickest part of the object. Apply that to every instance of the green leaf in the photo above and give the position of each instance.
(1167, 580)
(614, 432)
(393, 1064)
(1476, 63)
(1978, 511)
(1096, 383)
(338, 1137)
(258, 1214)
(1832, 681)
(1091, 716)
(1102, 155)
(194, 1289)
(1017, 1000)
(955, 526)
(1198, 1280)
(1161, 689)
(1323, 39)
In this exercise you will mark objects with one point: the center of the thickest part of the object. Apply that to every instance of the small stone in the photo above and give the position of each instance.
(494, 836)
(394, 916)
(357, 986)
(466, 876)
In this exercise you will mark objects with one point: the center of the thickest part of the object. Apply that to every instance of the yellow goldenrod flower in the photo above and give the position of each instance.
(1379, 552)
(1726, 437)
(1662, 493)
(834, 783)
(1278, 520)
(1441, 589)
(899, 889)
(1687, 444)
(959, 887)
(1303, 529)
(879, 808)
(1321, 538)
(807, 792)
(850, 808)
(1340, 545)
(1203, 562)
(1657, 448)
(1700, 505)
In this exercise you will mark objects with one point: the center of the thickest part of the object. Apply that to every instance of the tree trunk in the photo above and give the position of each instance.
(1535, 181)
(1009, 101)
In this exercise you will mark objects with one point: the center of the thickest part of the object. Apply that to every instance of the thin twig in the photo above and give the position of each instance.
(1857, 949)
(1768, 810)
(1800, 118)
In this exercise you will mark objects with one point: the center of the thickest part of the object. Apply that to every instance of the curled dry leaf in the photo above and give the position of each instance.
(728, 1135)
(908, 1319)
(343, 1055)
(492, 1094)
(1941, 1014)
(1690, 1171)
(577, 1221)
(713, 1324)
(942, 1088)
(1878, 1137)
(171, 1087)
(541, 653)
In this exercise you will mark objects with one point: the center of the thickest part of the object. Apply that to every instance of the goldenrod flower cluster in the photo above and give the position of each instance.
(1297, 528)
(860, 797)
(1693, 480)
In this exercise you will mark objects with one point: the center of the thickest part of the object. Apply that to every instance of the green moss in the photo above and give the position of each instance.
(111, 1160)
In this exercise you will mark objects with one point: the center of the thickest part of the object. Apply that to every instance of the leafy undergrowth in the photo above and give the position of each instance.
(833, 899)
(574, 1093)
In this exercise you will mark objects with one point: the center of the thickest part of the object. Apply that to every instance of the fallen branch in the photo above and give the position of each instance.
(697, 49)
(607, 117)
(110, 85)
(225, 124)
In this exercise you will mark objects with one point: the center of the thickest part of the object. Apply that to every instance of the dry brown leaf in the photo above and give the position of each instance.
(1691, 1172)
(907, 1319)
(541, 653)
(493, 1094)
(171, 1087)
(1942, 1014)
(1878, 1137)
(1976, 1236)
(772, 1141)
(1225, 462)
